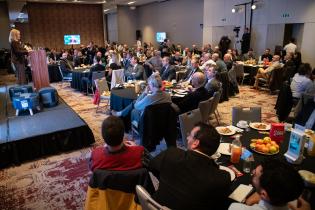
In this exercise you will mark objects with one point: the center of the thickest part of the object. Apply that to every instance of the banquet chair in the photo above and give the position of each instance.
(239, 71)
(214, 106)
(65, 77)
(108, 190)
(117, 77)
(187, 121)
(146, 201)
(95, 75)
(103, 91)
(157, 121)
(252, 114)
(205, 108)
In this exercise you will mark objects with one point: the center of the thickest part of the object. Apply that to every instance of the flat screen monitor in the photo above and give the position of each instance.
(160, 36)
(71, 39)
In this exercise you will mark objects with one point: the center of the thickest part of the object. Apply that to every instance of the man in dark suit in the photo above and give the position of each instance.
(191, 179)
(96, 68)
(193, 69)
(306, 117)
(135, 71)
(65, 64)
(213, 84)
(168, 71)
(191, 100)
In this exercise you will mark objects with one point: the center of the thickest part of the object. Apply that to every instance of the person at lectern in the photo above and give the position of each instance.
(18, 53)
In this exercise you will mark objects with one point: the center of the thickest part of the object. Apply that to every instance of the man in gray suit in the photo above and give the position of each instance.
(168, 71)
(135, 71)
(152, 95)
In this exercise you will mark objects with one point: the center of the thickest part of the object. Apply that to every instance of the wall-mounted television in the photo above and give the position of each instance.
(71, 39)
(160, 36)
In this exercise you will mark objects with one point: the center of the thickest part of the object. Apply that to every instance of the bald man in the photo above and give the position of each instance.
(265, 73)
(200, 93)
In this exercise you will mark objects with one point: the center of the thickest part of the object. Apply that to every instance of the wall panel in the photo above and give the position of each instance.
(50, 22)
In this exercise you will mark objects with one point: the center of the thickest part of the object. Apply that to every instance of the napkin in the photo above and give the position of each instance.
(241, 192)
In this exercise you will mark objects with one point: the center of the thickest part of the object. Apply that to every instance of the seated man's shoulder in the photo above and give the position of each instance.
(241, 206)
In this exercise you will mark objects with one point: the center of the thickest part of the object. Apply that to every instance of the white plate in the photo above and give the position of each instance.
(224, 149)
(252, 125)
(232, 174)
(219, 129)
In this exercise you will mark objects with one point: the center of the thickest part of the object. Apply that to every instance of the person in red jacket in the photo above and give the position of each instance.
(116, 154)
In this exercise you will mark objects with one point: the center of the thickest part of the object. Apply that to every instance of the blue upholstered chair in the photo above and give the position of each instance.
(26, 101)
(48, 96)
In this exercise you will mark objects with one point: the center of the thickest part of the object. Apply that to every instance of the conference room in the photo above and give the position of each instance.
(146, 104)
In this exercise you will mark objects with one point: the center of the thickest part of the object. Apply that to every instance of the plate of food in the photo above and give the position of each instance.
(260, 126)
(224, 149)
(264, 146)
(308, 177)
(230, 171)
(225, 130)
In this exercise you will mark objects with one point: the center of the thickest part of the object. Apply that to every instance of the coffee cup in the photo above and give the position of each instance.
(242, 123)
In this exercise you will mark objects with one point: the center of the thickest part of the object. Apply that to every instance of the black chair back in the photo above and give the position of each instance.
(157, 122)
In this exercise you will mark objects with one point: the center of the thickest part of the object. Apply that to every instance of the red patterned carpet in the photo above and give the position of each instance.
(60, 181)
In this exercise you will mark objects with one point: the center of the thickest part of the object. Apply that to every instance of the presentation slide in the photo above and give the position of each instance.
(71, 39)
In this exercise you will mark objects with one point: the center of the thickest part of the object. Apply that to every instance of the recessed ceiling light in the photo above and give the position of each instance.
(131, 2)
(105, 10)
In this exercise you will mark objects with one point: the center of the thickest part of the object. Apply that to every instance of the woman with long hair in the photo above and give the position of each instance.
(18, 52)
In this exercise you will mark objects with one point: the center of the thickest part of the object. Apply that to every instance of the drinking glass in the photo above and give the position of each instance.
(247, 166)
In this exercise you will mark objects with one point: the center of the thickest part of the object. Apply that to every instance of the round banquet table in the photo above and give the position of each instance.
(76, 79)
(119, 99)
(307, 164)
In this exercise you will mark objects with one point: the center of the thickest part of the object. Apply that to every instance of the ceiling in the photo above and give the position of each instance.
(16, 11)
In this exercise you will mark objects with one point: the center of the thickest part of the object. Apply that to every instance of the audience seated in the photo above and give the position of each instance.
(125, 60)
(265, 73)
(266, 56)
(135, 71)
(96, 68)
(152, 95)
(227, 58)
(77, 58)
(221, 66)
(155, 62)
(116, 154)
(275, 188)
(176, 59)
(65, 64)
(191, 70)
(301, 81)
(199, 93)
(191, 179)
(168, 71)
(249, 55)
(213, 84)
(289, 67)
(206, 60)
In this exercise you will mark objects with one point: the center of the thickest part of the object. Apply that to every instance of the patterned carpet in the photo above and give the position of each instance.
(60, 181)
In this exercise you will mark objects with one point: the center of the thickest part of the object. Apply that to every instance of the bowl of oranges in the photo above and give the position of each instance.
(264, 146)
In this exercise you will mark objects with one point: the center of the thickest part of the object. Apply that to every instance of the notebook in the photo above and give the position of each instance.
(241, 192)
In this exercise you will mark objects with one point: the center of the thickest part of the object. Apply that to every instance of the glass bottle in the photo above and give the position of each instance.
(236, 150)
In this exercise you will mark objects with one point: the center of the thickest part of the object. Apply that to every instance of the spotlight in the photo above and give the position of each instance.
(233, 10)
(253, 6)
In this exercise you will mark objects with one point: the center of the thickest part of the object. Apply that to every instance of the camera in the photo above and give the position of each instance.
(237, 30)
